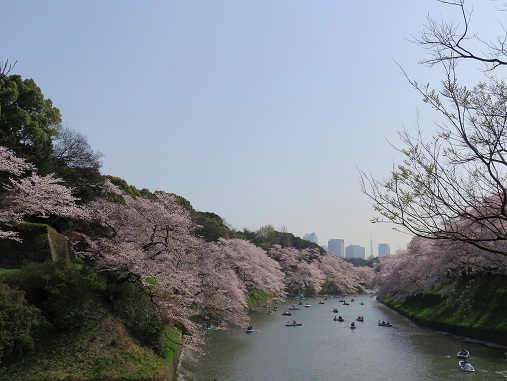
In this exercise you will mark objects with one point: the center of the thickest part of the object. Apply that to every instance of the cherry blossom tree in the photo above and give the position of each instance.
(30, 195)
(428, 264)
(253, 266)
(343, 275)
(11, 164)
(152, 241)
(307, 269)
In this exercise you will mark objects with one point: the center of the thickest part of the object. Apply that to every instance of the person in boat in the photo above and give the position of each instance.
(463, 351)
(353, 324)
(466, 365)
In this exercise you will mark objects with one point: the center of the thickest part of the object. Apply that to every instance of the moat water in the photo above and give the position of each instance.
(322, 349)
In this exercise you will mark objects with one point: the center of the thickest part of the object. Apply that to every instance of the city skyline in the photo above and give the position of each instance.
(383, 248)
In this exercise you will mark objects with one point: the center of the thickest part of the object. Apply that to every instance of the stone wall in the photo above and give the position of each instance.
(39, 243)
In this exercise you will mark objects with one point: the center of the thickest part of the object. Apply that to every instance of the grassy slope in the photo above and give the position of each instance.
(477, 309)
(102, 350)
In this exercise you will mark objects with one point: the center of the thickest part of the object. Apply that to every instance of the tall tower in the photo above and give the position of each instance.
(371, 244)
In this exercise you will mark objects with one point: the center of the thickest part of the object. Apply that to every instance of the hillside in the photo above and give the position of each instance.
(449, 286)
(476, 309)
(102, 345)
(101, 286)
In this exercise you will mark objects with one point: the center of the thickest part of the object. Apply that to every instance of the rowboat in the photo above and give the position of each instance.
(463, 354)
(293, 324)
(466, 366)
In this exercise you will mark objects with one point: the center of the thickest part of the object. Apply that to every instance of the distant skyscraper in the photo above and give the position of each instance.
(312, 237)
(355, 251)
(371, 245)
(337, 246)
(383, 249)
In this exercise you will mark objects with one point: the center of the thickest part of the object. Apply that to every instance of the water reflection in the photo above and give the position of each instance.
(323, 349)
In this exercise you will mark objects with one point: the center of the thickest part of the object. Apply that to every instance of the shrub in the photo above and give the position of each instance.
(18, 322)
(131, 304)
(60, 293)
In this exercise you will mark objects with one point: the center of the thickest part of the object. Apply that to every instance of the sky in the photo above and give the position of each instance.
(263, 112)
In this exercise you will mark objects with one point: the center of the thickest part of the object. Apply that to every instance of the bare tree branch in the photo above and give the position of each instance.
(452, 186)
(72, 148)
(449, 41)
(6, 67)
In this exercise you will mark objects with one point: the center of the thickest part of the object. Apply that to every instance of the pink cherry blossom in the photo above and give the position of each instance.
(429, 263)
(23, 195)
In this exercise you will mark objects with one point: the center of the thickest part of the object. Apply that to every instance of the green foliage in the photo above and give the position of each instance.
(85, 182)
(329, 288)
(360, 262)
(184, 203)
(266, 237)
(27, 121)
(18, 322)
(256, 297)
(135, 308)
(101, 350)
(212, 226)
(60, 293)
(299, 288)
(131, 190)
(477, 303)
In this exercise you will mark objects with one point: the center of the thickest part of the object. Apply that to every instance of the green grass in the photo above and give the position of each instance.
(256, 297)
(102, 349)
(478, 303)
(5, 273)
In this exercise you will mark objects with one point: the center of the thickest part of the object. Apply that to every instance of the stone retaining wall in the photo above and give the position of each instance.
(39, 243)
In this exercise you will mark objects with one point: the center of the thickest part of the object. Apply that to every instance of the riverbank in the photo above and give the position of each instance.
(103, 350)
(82, 329)
(476, 309)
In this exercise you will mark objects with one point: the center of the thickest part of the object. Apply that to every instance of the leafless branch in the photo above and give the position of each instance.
(6, 67)
(449, 41)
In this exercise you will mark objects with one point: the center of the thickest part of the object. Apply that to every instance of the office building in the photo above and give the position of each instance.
(383, 249)
(312, 237)
(337, 246)
(355, 251)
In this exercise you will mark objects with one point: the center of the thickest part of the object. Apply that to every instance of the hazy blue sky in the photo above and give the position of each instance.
(259, 111)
